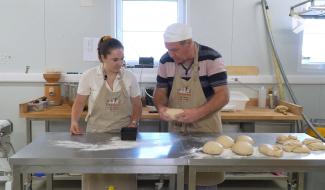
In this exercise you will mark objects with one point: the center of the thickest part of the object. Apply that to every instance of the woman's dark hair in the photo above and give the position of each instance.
(106, 44)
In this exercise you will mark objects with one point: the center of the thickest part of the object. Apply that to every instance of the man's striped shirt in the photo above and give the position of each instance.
(211, 70)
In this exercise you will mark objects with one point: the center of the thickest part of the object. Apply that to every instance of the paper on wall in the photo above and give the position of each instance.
(90, 49)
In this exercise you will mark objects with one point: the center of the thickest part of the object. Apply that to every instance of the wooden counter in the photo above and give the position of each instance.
(251, 113)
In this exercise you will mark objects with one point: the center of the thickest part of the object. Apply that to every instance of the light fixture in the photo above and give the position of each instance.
(310, 9)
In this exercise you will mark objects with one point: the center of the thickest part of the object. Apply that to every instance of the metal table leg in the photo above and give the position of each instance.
(29, 130)
(49, 177)
(49, 181)
(180, 178)
(300, 180)
(192, 178)
(294, 127)
(47, 126)
(17, 180)
(159, 126)
(172, 182)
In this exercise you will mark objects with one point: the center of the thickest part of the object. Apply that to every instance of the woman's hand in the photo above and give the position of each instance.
(77, 108)
(75, 129)
(133, 124)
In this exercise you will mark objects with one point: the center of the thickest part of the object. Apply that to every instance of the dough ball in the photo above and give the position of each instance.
(271, 150)
(289, 146)
(225, 141)
(243, 148)
(212, 147)
(301, 149)
(172, 112)
(245, 138)
(310, 140)
(294, 146)
(314, 144)
(283, 138)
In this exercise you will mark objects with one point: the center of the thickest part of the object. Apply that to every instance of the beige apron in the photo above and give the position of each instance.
(189, 94)
(111, 112)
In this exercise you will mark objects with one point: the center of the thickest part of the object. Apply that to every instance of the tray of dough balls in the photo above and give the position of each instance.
(256, 146)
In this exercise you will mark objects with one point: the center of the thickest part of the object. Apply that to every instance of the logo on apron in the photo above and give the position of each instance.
(184, 94)
(112, 104)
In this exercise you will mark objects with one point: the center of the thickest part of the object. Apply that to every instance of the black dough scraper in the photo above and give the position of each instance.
(129, 133)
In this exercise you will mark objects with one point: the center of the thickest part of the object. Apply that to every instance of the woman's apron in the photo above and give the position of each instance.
(111, 112)
(189, 94)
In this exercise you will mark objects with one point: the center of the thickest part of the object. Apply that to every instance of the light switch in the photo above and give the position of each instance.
(5, 58)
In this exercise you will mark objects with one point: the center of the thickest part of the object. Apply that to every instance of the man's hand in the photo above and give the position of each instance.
(188, 116)
(163, 115)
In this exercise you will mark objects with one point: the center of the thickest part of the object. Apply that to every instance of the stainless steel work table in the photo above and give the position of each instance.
(290, 162)
(154, 153)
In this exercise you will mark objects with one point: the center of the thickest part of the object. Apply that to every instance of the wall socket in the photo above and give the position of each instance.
(5, 58)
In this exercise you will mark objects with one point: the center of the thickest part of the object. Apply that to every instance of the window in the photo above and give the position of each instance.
(141, 24)
(313, 43)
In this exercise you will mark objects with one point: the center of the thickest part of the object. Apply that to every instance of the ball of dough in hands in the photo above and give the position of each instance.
(271, 150)
(172, 112)
(212, 147)
(225, 141)
(314, 144)
(245, 138)
(243, 148)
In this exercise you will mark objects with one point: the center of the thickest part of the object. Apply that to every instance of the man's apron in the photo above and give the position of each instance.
(111, 112)
(189, 94)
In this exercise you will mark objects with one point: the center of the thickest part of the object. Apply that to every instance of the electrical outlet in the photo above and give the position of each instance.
(5, 59)
(233, 79)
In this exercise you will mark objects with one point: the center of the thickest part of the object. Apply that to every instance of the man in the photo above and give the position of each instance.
(191, 77)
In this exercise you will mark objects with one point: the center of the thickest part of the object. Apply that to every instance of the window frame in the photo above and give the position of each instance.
(181, 18)
(312, 68)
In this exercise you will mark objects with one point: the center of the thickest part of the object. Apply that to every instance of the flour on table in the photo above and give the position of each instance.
(114, 143)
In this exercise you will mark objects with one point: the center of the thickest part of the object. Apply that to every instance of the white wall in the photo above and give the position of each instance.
(48, 33)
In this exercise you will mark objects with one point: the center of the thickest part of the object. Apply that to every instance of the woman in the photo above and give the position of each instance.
(113, 102)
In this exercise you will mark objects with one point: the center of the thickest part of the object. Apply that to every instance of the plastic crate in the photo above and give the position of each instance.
(319, 125)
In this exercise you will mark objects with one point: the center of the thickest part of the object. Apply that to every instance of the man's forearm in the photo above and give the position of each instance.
(160, 98)
(216, 103)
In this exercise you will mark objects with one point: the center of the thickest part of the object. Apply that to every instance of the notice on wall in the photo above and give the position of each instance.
(90, 49)
(86, 3)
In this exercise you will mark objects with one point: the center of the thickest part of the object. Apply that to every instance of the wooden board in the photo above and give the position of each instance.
(242, 70)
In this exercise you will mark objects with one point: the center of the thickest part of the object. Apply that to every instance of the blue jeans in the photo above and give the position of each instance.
(214, 187)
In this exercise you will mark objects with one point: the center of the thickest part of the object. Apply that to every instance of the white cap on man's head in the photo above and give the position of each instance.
(177, 32)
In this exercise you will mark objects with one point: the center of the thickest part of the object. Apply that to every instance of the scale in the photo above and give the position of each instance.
(52, 89)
